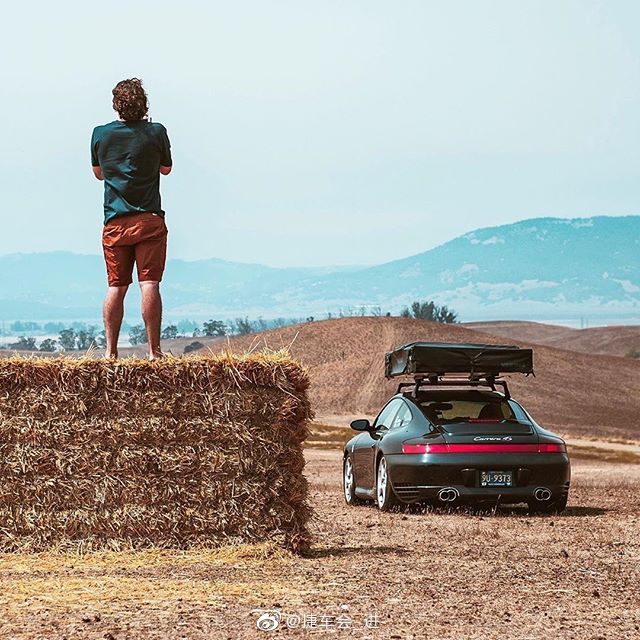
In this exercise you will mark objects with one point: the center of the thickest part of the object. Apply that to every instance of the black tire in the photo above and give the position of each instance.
(551, 507)
(349, 482)
(385, 497)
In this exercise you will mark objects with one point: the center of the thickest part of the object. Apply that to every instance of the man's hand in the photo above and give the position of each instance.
(165, 171)
(97, 172)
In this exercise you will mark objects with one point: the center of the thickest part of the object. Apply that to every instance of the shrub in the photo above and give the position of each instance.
(170, 332)
(48, 345)
(214, 328)
(24, 344)
(138, 335)
(430, 311)
(193, 346)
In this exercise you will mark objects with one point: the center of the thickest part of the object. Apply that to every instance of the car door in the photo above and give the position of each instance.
(366, 454)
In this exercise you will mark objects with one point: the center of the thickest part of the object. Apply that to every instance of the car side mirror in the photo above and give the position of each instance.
(361, 425)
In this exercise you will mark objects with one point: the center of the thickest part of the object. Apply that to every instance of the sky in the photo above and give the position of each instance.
(324, 133)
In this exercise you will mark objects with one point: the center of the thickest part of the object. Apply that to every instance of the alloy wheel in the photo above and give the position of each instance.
(348, 480)
(383, 482)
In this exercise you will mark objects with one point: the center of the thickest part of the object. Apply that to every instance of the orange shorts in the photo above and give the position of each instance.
(139, 238)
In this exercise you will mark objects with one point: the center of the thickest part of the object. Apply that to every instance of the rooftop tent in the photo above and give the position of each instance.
(441, 358)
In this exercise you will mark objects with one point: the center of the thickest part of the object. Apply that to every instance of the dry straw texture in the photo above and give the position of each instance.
(173, 453)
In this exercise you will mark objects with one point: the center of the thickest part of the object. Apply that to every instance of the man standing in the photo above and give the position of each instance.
(129, 154)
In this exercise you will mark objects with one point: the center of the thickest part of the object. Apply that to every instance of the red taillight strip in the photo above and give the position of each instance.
(418, 448)
(490, 447)
(552, 447)
(484, 448)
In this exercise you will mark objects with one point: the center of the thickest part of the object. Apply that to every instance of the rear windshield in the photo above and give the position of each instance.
(469, 410)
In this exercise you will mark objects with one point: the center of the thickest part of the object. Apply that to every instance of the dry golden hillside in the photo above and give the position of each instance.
(615, 340)
(574, 393)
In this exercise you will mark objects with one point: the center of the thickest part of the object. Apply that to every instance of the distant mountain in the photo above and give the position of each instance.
(545, 268)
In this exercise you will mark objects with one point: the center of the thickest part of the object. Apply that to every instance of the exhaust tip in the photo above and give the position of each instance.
(448, 495)
(542, 494)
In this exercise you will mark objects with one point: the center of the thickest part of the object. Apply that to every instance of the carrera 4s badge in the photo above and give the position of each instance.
(492, 439)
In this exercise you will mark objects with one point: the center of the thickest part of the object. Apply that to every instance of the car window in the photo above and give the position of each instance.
(402, 418)
(518, 411)
(465, 410)
(385, 418)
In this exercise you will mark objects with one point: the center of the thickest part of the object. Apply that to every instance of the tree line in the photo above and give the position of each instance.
(69, 339)
(82, 337)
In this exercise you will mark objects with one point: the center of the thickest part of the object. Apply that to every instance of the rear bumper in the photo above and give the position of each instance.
(418, 477)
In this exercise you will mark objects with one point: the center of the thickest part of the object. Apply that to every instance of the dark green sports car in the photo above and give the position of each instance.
(450, 439)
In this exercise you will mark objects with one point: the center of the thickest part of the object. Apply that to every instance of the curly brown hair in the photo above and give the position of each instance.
(130, 99)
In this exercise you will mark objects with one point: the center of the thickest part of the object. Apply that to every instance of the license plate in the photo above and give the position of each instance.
(496, 478)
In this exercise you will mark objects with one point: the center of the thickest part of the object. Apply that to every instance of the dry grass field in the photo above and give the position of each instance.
(573, 393)
(614, 340)
(422, 574)
(415, 573)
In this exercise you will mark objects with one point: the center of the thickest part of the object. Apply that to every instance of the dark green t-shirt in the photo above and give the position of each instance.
(130, 155)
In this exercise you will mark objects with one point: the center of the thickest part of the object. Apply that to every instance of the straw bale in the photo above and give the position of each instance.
(181, 451)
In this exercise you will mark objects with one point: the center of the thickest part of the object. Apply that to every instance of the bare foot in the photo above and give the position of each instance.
(111, 356)
(156, 355)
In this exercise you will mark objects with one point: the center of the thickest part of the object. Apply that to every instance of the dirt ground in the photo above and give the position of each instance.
(412, 574)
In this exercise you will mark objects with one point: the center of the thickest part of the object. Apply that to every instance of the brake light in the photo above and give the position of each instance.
(552, 448)
(425, 448)
(415, 448)
(437, 448)
(484, 448)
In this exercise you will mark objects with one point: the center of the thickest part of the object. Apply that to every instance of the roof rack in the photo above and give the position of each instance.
(437, 380)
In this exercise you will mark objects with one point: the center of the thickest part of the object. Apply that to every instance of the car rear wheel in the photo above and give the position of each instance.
(349, 482)
(385, 498)
(552, 506)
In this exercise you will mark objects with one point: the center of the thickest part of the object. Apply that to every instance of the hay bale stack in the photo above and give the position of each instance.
(172, 453)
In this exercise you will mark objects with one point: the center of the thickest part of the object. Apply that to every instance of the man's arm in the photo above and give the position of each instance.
(95, 161)
(166, 162)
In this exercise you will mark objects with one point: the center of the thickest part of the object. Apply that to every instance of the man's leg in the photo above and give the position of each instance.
(152, 315)
(113, 312)
(119, 260)
(151, 253)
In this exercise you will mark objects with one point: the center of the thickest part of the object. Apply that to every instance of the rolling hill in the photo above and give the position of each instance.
(574, 393)
(615, 341)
